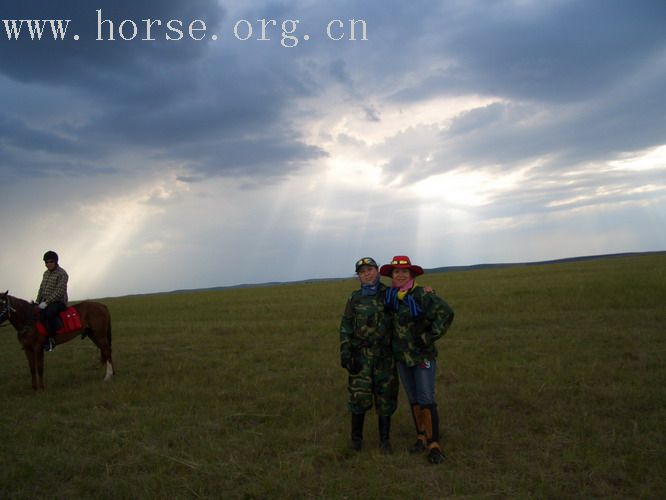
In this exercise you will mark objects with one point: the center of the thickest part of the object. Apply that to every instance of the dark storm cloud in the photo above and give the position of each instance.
(187, 102)
(272, 156)
(542, 51)
(575, 82)
(37, 151)
(87, 61)
(624, 119)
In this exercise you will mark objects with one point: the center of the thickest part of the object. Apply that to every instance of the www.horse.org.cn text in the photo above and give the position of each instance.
(286, 31)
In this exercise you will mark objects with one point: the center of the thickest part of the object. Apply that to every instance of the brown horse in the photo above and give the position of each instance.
(96, 324)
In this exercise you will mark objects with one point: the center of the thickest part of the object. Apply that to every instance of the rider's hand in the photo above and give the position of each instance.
(43, 305)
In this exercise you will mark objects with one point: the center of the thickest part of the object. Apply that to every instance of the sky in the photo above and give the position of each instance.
(455, 132)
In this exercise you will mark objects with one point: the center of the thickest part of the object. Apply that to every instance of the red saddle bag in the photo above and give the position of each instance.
(70, 319)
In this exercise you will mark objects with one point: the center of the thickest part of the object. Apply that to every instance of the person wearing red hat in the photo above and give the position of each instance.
(418, 320)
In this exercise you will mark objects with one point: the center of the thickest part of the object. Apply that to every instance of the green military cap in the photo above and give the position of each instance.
(366, 261)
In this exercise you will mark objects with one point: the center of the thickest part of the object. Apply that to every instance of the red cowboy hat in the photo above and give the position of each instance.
(400, 262)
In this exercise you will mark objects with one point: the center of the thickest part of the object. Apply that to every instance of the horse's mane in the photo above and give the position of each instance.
(18, 302)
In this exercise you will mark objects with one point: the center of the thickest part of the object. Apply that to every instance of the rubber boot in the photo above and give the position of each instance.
(384, 434)
(49, 344)
(431, 422)
(357, 431)
(50, 322)
(421, 441)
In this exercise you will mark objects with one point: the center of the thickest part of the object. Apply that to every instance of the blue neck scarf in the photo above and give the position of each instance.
(371, 289)
(392, 301)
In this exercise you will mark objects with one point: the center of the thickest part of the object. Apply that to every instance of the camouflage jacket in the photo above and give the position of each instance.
(53, 287)
(414, 338)
(364, 325)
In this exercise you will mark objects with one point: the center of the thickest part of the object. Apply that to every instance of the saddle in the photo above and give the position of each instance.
(70, 319)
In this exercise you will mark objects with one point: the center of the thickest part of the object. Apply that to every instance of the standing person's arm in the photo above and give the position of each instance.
(439, 315)
(346, 332)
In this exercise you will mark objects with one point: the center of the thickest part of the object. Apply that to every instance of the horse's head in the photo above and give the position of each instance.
(5, 307)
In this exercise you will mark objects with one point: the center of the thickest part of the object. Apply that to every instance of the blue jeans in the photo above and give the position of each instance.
(419, 382)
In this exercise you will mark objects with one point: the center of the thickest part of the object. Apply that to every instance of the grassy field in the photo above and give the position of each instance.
(552, 384)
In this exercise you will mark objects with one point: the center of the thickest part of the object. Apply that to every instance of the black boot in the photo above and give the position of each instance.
(357, 431)
(50, 321)
(49, 345)
(384, 435)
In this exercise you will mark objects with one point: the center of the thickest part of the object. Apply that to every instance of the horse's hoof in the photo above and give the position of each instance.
(109, 371)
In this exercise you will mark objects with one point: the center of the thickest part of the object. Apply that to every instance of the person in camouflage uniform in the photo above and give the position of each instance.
(418, 320)
(365, 351)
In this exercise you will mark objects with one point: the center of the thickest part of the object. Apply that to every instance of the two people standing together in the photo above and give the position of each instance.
(391, 331)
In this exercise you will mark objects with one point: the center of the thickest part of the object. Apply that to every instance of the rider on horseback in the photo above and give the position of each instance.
(52, 296)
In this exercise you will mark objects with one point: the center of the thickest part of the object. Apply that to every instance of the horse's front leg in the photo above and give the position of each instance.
(33, 366)
(40, 367)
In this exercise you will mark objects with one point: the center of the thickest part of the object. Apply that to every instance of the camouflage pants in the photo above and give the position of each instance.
(378, 381)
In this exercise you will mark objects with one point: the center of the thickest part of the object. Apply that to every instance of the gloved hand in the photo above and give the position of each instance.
(345, 356)
(354, 365)
(43, 305)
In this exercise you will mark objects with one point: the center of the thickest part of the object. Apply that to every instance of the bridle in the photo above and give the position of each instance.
(6, 312)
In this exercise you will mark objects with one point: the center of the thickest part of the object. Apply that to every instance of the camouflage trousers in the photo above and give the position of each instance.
(378, 381)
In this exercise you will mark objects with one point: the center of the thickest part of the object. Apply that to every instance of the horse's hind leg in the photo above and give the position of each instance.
(105, 348)
(109, 370)
(105, 352)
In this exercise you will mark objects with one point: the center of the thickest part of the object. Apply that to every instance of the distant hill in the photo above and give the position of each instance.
(539, 263)
(445, 269)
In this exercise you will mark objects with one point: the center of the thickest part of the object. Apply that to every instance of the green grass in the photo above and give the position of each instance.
(551, 384)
